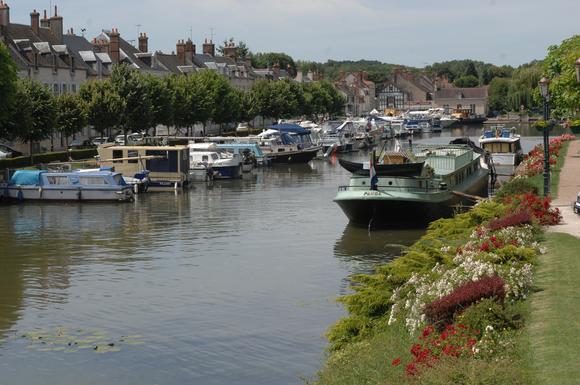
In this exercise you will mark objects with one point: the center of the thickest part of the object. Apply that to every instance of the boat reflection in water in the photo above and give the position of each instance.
(364, 250)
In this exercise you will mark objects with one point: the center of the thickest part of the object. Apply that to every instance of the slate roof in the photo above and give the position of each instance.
(462, 93)
(49, 51)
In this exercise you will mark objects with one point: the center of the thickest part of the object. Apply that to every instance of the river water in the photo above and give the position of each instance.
(230, 283)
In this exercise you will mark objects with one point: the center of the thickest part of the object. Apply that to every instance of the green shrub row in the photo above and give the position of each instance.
(49, 157)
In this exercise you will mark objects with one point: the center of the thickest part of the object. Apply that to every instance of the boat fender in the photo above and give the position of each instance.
(39, 191)
(20, 195)
(136, 188)
(175, 186)
(79, 194)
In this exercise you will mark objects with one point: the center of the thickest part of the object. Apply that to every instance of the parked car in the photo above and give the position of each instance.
(120, 140)
(79, 144)
(97, 141)
(135, 138)
(577, 204)
(9, 151)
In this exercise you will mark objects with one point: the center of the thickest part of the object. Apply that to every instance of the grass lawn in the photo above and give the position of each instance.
(554, 326)
(538, 180)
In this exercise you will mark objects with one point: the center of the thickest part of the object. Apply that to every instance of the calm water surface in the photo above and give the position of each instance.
(233, 283)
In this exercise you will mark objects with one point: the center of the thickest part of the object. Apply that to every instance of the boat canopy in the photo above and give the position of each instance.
(253, 147)
(290, 128)
(26, 177)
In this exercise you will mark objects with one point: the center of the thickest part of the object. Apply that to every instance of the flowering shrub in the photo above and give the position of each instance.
(533, 162)
(453, 341)
(538, 207)
(511, 262)
(442, 311)
(515, 219)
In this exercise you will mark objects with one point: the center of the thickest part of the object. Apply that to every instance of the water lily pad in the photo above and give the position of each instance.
(71, 341)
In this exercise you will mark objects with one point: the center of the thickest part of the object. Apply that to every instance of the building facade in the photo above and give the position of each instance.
(475, 99)
(358, 91)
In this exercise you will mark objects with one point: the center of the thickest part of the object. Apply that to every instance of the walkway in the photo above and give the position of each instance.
(568, 189)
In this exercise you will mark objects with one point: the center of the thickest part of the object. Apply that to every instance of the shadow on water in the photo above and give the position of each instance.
(364, 250)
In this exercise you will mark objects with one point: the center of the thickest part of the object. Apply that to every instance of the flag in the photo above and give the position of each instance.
(373, 173)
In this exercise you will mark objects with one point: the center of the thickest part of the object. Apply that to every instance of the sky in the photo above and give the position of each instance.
(408, 32)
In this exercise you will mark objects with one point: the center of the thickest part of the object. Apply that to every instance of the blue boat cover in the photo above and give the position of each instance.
(26, 177)
(290, 128)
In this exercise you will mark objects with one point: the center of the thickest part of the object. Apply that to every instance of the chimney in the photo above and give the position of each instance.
(35, 21)
(189, 51)
(230, 51)
(44, 22)
(4, 14)
(180, 49)
(209, 48)
(56, 26)
(101, 46)
(143, 43)
(114, 51)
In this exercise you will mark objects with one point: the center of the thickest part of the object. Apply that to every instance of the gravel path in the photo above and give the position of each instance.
(568, 189)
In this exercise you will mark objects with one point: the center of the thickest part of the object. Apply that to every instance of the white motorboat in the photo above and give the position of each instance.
(67, 186)
(503, 144)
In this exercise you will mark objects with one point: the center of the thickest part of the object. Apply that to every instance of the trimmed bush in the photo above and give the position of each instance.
(48, 157)
(83, 154)
(441, 312)
(515, 219)
(488, 312)
(516, 186)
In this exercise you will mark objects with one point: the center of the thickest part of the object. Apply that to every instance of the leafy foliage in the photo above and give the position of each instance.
(559, 66)
(7, 89)
(71, 115)
(34, 118)
(104, 106)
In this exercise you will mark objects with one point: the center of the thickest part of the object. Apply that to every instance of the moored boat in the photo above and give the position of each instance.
(168, 166)
(288, 143)
(449, 174)
(503, 144)
(67, 186)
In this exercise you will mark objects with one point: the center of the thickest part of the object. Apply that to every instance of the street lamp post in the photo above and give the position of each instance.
(544, 90)
(577, 64)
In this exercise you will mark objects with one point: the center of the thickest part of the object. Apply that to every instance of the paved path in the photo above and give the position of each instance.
(568, 189)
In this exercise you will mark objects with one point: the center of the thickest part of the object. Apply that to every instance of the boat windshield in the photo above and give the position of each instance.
(497, 147)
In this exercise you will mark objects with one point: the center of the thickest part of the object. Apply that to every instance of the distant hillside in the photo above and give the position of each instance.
(377, 71)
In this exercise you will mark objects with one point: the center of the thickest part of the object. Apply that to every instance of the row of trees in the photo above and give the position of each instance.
(132, 101)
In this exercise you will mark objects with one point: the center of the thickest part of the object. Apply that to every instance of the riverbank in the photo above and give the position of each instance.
(429, 317)
(554, 325)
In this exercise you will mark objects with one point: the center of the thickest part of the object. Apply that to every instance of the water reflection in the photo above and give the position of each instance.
(363, 250)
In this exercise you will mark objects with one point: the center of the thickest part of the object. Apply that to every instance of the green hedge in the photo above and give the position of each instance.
(49, 157)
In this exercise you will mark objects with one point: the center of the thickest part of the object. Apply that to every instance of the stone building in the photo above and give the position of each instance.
(40, 51)
(406, 90)
(358, 91)
(475, 99)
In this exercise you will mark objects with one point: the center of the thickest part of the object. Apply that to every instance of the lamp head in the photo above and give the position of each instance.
(544, 87)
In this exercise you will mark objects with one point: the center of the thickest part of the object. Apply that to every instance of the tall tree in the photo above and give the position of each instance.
(7, 90)
(35, 115)
(71, 115)
(559, 66)
(128, 83)
(203, 96)
(103, 105)
(161, 97)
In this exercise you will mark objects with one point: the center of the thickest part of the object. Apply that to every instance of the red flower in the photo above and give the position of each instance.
(411, 369)
(396, 362)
